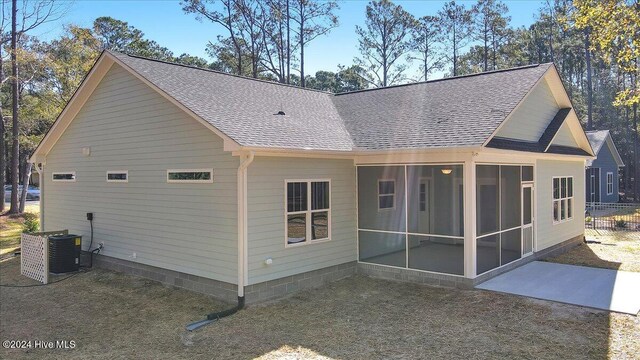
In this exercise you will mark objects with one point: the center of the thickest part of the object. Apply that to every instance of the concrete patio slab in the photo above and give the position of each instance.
(603, 289)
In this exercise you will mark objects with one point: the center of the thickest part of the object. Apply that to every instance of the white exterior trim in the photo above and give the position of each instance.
(612, 187)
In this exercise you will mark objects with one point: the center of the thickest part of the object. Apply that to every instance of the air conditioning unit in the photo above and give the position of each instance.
(64, 253)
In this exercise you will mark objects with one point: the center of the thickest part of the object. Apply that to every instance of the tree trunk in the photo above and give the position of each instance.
(15, 150)
(587, 45)
(455, 53)
(636, 148)
(288, 45)
(3, 163)
(25, 185)
(486, 47)
(303, 83)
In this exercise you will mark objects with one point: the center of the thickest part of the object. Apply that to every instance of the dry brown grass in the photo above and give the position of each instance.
(112, 315)
(618, 250)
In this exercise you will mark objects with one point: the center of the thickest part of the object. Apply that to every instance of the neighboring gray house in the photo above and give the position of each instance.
(235, 186)
(602, 173)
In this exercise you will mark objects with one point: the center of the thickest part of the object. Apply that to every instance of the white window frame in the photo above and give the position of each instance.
(393, 194)
(209, 181)
(562, 199)
(609, 183)
(53, 174)
(125, 172)
(308, 212)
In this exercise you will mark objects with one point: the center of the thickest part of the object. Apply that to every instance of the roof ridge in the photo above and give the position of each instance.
(219, 72)
(445, 79)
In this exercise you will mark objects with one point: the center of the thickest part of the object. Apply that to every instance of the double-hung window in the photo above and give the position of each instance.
(386, 194)
(308, 211)
(609, 183)
(562, 199)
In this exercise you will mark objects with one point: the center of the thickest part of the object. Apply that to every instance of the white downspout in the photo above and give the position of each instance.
(41, 184)
(245, 161)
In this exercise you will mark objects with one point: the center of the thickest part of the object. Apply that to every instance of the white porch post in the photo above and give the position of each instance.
(470, 216)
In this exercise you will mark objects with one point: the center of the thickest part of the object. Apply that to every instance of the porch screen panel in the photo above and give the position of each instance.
(438, 254)
(488, 201)
(510, 197)
(435, 200)
(487, 253)
(378, 187)
(382, 248)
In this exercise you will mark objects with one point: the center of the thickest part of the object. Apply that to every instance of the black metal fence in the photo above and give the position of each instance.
(612, 216)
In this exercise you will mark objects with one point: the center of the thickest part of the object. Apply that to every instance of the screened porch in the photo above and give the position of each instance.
(413, 216)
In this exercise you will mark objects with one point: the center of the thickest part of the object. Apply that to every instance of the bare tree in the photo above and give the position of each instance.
(25, 17)
(312, 18)
(457, 25)
(425, 37)
(227, 17)
(383, 41)
(490, 24)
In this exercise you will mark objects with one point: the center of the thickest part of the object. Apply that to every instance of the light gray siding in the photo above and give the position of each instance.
(548, 233)
(533, 116)
(266, 217)
(564, 137)
(190, 228)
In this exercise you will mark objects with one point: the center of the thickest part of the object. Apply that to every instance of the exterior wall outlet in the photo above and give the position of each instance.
(134, 255)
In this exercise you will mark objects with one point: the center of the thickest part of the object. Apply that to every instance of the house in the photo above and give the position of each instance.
(234, 186)
(602, 173)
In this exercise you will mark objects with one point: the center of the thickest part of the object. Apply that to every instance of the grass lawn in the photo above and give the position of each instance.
(618, 250)
(111, 315)
(11, 227)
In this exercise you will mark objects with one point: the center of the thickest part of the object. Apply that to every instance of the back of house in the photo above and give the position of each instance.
(240, 187)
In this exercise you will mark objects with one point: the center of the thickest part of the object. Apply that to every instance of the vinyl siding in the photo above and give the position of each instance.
(190, 228)
(266, 217)
(548, 233)
(564, 137)
(607, 163)
(533, 116)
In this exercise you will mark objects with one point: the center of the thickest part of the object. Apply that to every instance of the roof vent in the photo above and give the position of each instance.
(280, 113)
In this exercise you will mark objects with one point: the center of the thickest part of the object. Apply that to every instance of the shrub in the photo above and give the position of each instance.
(621, 223)
(31, 223)
(588, 219)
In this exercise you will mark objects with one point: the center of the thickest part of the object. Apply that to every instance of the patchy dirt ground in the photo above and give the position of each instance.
(618, 250)
(111, 315)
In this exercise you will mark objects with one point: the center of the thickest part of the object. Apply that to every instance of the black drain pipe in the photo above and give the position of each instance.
(217, 315)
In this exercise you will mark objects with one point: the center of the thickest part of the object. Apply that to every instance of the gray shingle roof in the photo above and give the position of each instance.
(462, 111)
(597, 139)
(453, 112)
(244, 109)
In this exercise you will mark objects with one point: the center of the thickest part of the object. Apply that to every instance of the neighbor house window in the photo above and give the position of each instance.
(386, 194)
(609, 183)
(118, 176)
(562, 199)
(190, 176)
(308, 211)
(64, 176)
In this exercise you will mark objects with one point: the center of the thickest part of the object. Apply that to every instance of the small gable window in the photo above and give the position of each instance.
(64, 176)
(118, 176)
(190, 176)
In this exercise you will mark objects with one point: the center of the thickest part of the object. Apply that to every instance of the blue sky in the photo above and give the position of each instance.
(164, 22)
